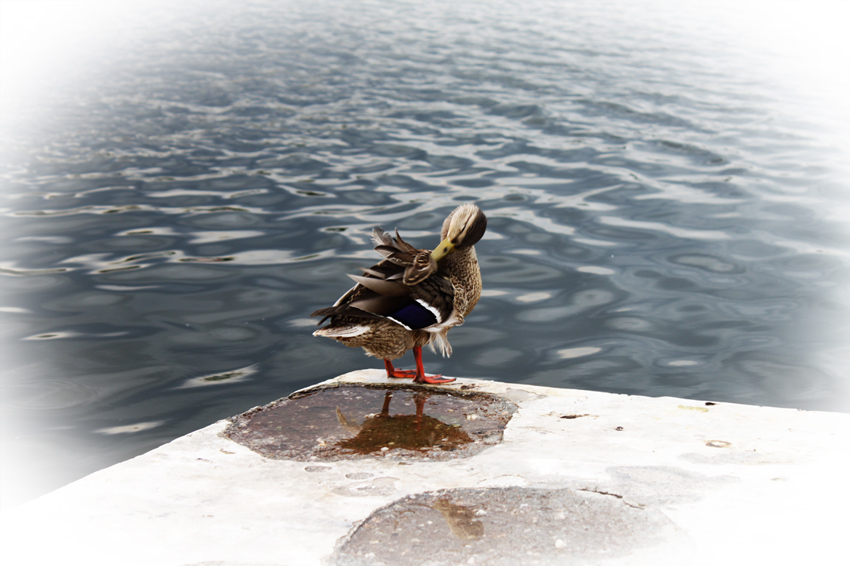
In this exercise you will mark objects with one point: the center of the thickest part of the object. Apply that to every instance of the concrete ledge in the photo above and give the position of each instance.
(633, 480)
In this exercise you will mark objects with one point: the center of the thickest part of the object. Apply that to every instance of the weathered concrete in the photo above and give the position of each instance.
(579, 478)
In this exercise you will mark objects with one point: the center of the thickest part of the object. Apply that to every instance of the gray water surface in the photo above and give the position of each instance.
(667, 215)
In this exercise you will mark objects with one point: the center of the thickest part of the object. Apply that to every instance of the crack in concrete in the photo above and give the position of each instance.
(617, 495)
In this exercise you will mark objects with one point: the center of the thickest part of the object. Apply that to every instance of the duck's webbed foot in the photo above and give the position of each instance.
(398, 373)
(421, 377)
(433, 379)
(418, 375)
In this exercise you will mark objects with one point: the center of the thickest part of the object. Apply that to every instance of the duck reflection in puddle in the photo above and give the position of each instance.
(383, 432)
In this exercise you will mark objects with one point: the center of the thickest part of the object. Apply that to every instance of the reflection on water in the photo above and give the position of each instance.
(384, 431)
(397, 422)
(667, 217)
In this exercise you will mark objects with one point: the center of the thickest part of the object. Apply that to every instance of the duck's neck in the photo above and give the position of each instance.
(466, 277)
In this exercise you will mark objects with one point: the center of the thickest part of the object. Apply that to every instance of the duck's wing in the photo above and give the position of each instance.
(383, 292)
(395, 250)
(421, 306)
(377, 291)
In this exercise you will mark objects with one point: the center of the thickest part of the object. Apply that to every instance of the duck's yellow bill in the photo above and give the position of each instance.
(445, 248)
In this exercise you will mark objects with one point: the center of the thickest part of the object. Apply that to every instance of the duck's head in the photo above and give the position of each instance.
(462, 229)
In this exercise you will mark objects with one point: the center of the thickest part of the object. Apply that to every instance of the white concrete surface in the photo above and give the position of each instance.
(739, 484)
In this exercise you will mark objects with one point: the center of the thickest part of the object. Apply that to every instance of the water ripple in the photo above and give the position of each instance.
(665, 218)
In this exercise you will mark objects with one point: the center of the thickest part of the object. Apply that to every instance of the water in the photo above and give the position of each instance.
(666, 193)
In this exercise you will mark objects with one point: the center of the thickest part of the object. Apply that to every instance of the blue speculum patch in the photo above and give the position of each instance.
(415, 316)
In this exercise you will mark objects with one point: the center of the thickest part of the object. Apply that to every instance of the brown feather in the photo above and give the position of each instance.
(382, 287)
(404, 246)
(380, 305)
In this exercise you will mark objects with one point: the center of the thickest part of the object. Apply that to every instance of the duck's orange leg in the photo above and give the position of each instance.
(418, 375)
(420, 371)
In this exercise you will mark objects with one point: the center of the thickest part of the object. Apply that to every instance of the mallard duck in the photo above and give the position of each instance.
(412, 297)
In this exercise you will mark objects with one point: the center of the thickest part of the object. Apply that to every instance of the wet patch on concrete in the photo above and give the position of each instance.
(509, 526)
(351, 421)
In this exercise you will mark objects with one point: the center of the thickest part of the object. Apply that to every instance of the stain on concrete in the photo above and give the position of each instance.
(692, 408)
(378, 486)
(355, 421)
(504, 526)
(359, 475)
(521, 395)
(724, 453)
(460, 519)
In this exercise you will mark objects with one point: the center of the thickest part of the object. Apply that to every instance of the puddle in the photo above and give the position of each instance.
(351, 421)
(508, 526)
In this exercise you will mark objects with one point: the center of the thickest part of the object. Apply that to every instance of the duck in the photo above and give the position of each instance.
(412, 297)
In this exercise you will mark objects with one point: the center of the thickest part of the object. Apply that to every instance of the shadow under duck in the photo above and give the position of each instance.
(412, 297)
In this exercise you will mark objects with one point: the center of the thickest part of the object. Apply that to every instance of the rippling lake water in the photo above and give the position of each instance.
(667, 206)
